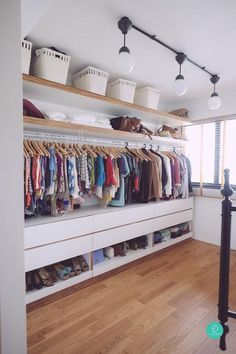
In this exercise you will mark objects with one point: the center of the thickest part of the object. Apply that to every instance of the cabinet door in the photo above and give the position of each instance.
(56, 252)
(127, 232)
(44, 234)
(118, 217)
(173, 206)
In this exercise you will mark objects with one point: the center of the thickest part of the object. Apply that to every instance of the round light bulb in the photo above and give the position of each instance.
(125, 62)
(214, 101)
(180, 85)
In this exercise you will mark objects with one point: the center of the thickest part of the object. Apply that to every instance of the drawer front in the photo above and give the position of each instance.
(119, 217)
(123, 233)
(56, 231)
(173, 206)
(46, 255)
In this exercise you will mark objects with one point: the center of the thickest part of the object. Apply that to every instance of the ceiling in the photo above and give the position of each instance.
(205, 30)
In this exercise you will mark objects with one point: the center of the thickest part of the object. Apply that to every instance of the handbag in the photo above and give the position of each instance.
(126, 124)
(30, 110)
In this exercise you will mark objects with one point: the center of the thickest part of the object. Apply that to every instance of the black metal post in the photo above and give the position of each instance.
(225, 259)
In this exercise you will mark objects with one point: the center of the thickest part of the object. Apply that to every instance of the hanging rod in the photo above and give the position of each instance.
(125, 24)
(50, 137)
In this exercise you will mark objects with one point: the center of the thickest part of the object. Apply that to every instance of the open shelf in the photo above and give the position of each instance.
(46, 125)
(53, 92)
(37, 294)
(132, 255)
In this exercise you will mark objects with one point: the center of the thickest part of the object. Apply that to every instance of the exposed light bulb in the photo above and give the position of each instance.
(214, 101)
(125, 60)
(180, 85)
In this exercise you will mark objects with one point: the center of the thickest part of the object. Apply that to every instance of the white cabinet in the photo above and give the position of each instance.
(119, 234)
(122, 216)
(56, 231)
(173, 206)
(60, 239)
(40, 256)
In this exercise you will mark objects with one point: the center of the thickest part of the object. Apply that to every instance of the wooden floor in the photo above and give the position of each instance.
(161, 305)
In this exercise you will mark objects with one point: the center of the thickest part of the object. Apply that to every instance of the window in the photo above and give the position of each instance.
(211, 149)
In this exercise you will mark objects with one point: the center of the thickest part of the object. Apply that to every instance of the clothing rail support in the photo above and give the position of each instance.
(223, 312)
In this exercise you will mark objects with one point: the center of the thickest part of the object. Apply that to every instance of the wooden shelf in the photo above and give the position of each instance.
(109, 264)
(36, 294)
(38, 124)
(49, 91)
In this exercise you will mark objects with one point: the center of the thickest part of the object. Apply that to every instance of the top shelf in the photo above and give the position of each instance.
(53, 92)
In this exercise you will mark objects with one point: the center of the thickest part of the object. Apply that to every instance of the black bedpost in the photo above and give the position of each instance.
(225, 259)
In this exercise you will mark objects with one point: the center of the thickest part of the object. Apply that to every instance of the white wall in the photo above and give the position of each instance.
(207, 221)
(31, 13)
(12, 278)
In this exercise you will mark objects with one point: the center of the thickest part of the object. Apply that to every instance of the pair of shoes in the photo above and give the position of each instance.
(133, 245)
(71, 268)
(120, 249)
(83, 264)
(62, 271)
(48, 278)
(33, 280)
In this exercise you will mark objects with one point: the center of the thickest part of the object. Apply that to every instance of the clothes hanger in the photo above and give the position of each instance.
(90, 152)
(25, 152)
(44, 148)
(37, 148)
(30, 151)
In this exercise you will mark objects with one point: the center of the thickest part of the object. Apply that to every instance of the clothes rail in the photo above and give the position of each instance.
(96, 141)
(223, 310)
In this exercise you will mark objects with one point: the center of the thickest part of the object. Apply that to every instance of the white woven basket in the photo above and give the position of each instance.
(51, 65)
(147, 97)
(122, 90)
(26, 49)
(91, 79)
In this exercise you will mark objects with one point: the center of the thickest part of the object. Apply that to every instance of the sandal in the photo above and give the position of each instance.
(61, 271)
(83, 264)
(70, 271)
(76, 265)
(46, 277)
(37, 282)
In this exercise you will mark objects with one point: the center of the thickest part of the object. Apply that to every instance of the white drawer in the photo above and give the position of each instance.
(123, 233)
(173, 206)
(46, 255)
(118, 217)
(44, 234)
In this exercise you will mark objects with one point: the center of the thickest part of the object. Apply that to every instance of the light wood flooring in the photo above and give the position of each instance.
(161, 305)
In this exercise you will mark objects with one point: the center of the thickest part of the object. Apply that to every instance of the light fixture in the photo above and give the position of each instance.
(180, 85)
(214, 101)
(125, 60)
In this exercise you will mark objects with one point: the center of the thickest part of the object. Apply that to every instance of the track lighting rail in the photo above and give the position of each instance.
(126, 62)
(125, 24)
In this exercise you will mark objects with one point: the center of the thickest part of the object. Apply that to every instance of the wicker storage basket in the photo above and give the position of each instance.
(91, 79)
(122, 90)
(147, 97)
(51, 65)
(26, 49)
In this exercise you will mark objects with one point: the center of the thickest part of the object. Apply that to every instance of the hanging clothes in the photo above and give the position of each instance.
(62, 180)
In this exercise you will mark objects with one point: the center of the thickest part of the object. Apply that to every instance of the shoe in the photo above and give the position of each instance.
(29, 281)
(46, 278)
(37, 280)
(83, 264)
(62, 272)
(76, 265)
